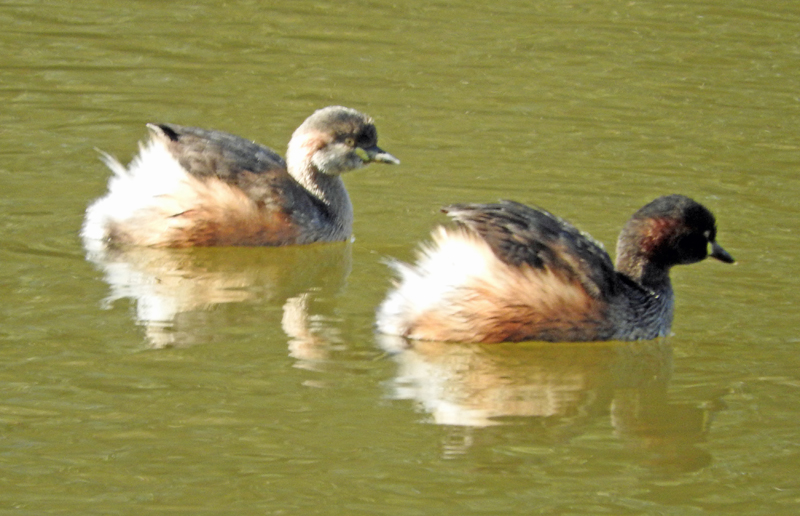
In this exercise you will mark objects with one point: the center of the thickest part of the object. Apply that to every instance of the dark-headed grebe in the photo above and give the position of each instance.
(507, 272)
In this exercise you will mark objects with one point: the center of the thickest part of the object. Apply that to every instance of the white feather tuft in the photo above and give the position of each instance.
(453, 258)
(152, 174)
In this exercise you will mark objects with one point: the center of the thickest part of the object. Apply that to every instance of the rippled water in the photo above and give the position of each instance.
(250, 381)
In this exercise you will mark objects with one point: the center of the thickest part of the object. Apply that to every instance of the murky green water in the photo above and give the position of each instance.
(249, 381)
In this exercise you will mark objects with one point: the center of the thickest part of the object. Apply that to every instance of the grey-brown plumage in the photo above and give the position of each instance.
(537, 277)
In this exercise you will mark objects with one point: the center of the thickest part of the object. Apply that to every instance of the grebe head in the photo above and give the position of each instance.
(335, 140)
(671, 230)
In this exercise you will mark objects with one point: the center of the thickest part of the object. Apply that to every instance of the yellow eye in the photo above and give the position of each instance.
(350, 142)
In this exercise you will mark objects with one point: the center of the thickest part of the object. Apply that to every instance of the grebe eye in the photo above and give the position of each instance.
(350, 141)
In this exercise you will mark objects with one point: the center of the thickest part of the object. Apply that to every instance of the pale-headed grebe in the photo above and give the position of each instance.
(195, 187)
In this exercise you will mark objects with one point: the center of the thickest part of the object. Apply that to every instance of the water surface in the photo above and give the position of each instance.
(250, 381)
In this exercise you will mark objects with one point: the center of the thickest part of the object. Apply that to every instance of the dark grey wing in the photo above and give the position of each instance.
(205, 153)
(519, 234)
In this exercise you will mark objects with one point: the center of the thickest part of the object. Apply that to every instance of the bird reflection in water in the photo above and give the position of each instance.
(179, 293)
(557, 392)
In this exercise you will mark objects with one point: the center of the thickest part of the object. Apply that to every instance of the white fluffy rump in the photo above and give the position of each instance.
(443, 267)
(153, 176)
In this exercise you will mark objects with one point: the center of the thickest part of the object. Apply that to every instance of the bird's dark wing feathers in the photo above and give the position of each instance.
(207, 153)
(519, 234)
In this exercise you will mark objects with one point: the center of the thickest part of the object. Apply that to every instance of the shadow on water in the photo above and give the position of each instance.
(557, 392)
(176, 291)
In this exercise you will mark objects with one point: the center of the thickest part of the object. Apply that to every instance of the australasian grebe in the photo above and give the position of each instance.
(508, 272)
(196, 187)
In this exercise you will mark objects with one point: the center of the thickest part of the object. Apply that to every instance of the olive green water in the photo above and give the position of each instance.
(249, 381)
